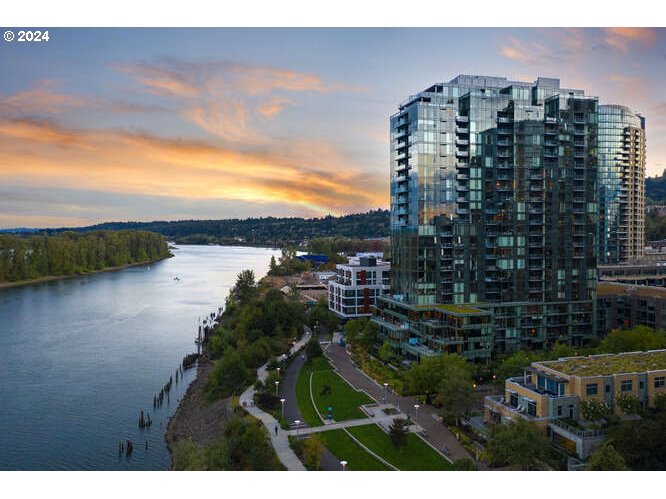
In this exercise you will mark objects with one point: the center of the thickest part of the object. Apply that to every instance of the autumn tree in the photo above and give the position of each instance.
(313, 450)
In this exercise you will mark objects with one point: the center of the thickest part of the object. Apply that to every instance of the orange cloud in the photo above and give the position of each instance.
(160, 81)
(228, 100)
(621, 38)
(527, 53)
(43, 99)
(45, 155)
(272, 107)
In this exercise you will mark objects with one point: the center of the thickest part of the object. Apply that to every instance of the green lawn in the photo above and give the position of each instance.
(303, 390)
(415, 456)
(344, 400)
(344, 448)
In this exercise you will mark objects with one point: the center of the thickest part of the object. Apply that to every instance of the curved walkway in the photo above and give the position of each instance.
(279, 441)
(438, 436)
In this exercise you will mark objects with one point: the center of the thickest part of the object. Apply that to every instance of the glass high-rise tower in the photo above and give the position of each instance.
(493, 218)
(621, 194)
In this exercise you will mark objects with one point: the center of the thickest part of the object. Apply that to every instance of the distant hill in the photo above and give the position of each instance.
(258, 231)
(655, 189)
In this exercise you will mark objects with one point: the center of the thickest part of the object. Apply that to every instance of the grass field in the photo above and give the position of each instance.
(344, 448)
(303, 390)
(415, 456)
(344, 400)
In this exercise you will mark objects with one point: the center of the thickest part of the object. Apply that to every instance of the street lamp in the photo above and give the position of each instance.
(416, 409)
(298, 424)
(282, 402)
(344, 465)
(277, 384)
(278, 371)
(385, 392)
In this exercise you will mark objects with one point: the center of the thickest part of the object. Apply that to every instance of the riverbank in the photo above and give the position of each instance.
(50, 278)
(196, 418)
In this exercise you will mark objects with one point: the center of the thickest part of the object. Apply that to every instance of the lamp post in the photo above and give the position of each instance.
(277, 384)
(278, 371)
(298, 424)
(385, 392)
(344, 465)
(282, 402)
(416, 417)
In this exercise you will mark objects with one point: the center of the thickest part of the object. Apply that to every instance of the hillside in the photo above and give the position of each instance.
(655, 189)
(270, 230)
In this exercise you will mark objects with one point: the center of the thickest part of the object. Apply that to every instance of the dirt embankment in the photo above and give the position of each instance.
(195, 417)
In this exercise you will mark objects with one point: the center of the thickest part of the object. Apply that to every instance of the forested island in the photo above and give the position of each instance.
(31, 257)
(268, 231)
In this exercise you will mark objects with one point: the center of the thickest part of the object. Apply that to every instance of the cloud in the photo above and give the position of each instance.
(40, 100)
(228, 100)
(159, 80)
(272, 107)
(308, 177)
(622, 38)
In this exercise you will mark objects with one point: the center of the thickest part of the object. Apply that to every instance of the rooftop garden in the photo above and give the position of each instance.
(604, 365)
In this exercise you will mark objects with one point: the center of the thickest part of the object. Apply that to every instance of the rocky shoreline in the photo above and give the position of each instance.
(195, 417)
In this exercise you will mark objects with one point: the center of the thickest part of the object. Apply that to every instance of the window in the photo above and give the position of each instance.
(514, 400)
(559, 410)
(531, 408)
(660, 381)
(591, 389)
(626, 385)
(607, 388)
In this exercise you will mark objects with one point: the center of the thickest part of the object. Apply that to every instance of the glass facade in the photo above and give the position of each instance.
(621, 185)
(493, 204)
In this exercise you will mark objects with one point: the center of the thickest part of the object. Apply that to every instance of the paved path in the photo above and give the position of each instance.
(279, 439)
(344, 424)
(437, 434)
(292, 412)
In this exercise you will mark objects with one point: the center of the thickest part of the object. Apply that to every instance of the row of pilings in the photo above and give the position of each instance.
(206, 329)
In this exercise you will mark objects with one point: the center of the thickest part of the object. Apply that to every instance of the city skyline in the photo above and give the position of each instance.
(144, 124)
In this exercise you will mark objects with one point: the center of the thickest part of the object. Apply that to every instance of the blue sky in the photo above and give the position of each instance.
(144, 124)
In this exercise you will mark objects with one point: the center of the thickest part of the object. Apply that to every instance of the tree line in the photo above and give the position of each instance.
(272, 231)
(70, 253)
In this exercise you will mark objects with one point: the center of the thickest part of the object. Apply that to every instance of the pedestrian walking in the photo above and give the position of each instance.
(276, 430)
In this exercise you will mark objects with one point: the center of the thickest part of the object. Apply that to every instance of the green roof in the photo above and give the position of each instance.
(604, 365)
(453, 309)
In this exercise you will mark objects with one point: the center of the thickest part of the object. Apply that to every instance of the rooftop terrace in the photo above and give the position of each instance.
(604, 365)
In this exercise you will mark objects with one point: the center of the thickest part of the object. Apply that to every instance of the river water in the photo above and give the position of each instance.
(81, 357)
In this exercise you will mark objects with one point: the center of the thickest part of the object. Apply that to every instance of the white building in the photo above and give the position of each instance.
(357, 286)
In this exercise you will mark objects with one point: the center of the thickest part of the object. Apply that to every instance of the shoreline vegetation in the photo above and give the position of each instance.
(50, 278)
(210, 430)
(30, 259)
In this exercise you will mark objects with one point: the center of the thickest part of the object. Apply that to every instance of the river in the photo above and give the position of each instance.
(81, 357)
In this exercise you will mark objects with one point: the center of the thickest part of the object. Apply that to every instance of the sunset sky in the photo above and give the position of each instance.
(165, 124)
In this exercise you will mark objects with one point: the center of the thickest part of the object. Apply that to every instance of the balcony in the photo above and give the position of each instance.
(462, 119)
(462, 130)
(462, 142)
(504, 119)
(462, 154)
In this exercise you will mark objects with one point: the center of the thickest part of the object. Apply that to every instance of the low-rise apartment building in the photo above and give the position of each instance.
(357, 286)
(624, 306)
(550, 393)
